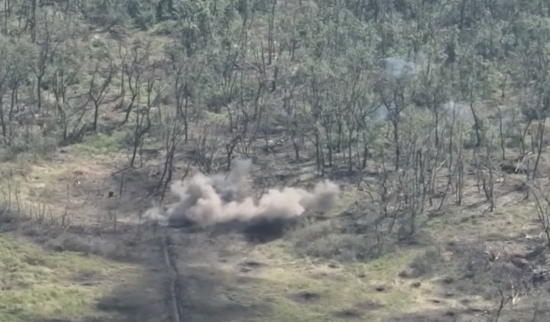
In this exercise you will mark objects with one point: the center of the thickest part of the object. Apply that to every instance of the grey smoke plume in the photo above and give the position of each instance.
(207, 200)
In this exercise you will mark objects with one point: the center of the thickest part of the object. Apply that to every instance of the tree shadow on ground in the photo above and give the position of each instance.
(540, 315)
(256, 231)
(135, 297)
(438, 316)
(479, 274)
(207, 294)
(143, 301)
(213, 295)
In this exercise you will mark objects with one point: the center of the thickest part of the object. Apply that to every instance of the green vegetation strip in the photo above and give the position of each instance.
(38, 285)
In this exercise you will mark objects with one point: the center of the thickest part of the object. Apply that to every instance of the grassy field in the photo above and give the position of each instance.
(39, 285)
(307, 90)
(321, 270)
(318, 272)
(306, 291)
(59, 258)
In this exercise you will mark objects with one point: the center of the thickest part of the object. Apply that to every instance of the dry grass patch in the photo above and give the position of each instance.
(299, 289)
(71, 185)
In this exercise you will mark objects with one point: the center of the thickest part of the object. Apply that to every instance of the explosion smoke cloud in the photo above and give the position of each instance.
(221, 198)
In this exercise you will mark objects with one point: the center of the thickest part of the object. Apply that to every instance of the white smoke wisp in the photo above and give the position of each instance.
(208, 200)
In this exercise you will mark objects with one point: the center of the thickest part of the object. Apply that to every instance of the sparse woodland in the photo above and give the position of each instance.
(418, 108)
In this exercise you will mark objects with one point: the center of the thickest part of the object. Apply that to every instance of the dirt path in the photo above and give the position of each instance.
(174, 287)
(206, 281)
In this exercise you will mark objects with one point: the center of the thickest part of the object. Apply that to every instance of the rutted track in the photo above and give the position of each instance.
(174, 287)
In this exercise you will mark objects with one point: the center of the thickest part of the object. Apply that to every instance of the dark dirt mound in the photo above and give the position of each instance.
(249, 266)
(259, 230)
(264, 230)
(348, 314)
(305, 297)
(180, 222)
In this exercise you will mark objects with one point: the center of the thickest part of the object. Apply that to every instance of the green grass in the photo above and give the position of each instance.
(101, 144)
(37, 285)
(346, 285)
(341, 287)
(510, 218)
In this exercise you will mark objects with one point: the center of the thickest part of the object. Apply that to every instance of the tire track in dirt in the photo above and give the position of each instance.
(174, 288)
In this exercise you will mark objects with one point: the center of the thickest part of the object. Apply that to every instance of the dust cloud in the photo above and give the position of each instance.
(221, 198)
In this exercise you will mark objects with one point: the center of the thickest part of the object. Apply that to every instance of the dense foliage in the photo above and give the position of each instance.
(408, 84)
